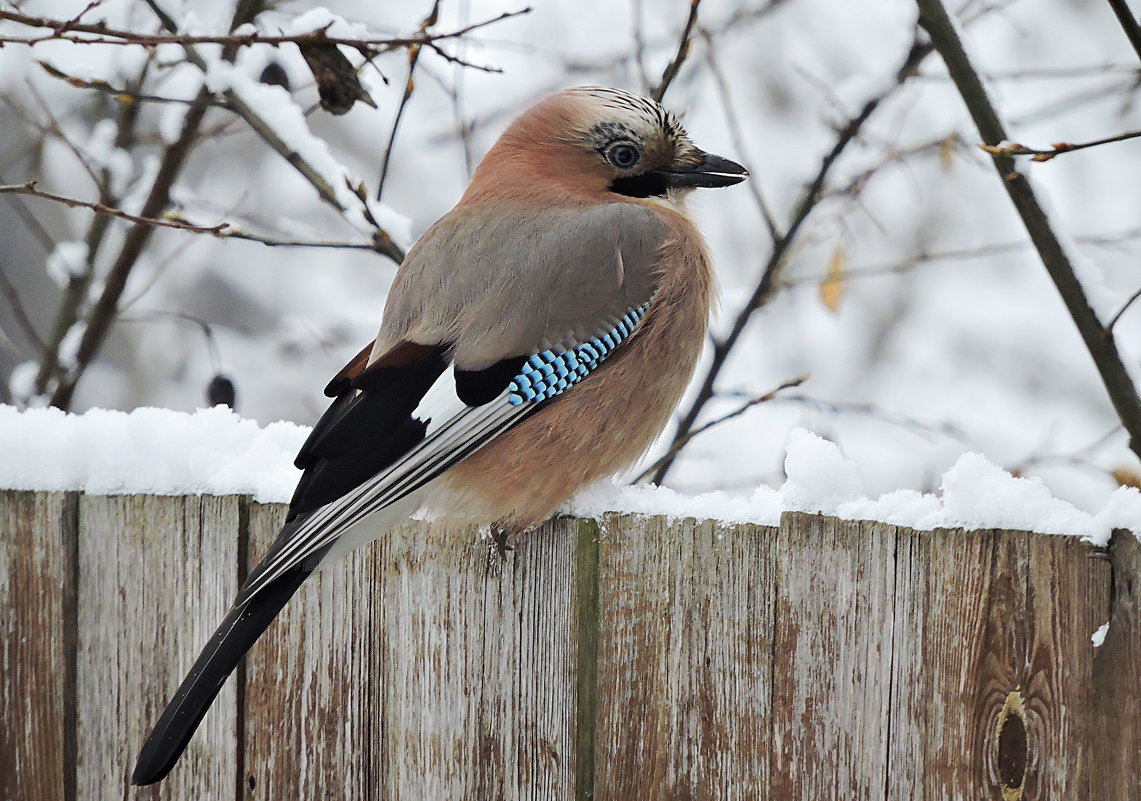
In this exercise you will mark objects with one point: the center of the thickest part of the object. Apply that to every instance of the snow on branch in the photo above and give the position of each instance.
(78, 32)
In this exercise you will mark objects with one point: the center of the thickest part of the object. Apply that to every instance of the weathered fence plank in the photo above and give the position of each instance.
(156, 574)
(684, 660)
(637, 658)
(1115, 719)
(37, 654)
(941, 581)
(1065, 598)
(834, 608)
(478, 665)
(993, 665)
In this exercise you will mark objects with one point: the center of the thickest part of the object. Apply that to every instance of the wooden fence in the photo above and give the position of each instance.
(625, 659)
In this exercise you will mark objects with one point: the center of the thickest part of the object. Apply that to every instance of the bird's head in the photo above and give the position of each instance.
(595, 140)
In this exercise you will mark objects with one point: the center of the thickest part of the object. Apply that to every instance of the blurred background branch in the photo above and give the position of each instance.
(1098, 338)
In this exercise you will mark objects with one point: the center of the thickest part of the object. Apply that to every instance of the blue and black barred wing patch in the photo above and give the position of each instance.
(551, 372)
(448, 427)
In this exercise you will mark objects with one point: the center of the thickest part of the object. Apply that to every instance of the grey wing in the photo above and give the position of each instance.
(476, 342)
(498, 285)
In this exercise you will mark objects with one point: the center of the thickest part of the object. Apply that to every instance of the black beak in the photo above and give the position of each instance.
(713, 172)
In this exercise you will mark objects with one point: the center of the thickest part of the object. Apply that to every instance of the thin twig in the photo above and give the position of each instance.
(915, 425)
(639, 54)
(456, 91)
(767, 284)
(409, 87)
(1081, 72)
(677, 445)
(206, 327)
(1056, 149)
(1071, 102)
(1122, 393)
(1113, 320)
(734, 24)
(896, 266)
(29, 189)
(859, 183)
(735, 135)
(39, 233)
(1128, 23)
(1079, 457)
(123, 95)
(99, 33)
(56, 130)
(75, 297)
(23, 319)
(674, 66)
(234, 233)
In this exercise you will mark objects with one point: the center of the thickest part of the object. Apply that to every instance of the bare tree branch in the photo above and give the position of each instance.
(122, 94)
(23, 319)
(915, 425)
(1125, 307)
(734, 126)
(1044, 73)
(409, 87)
(857, 184)
(1101, 345)
(75, 294)
(100, 33)
(268, 241)
(674, 66)
(1056, 149)
(29, 189)
(921, 257)
(639, 54)
(1128, 23)
(39, 233)
(55, 129)
(1079, 457)
(382, 241)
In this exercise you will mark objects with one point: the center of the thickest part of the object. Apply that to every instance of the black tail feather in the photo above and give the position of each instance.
(234, 637)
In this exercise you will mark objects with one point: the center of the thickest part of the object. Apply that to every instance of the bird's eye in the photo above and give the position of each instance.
(622, 156)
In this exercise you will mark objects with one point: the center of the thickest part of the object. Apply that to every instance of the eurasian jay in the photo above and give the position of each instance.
(536, 338)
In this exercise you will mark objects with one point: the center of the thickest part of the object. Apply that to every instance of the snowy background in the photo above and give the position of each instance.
(947, 336)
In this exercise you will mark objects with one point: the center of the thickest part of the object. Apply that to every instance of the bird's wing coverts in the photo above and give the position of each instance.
(498, 285)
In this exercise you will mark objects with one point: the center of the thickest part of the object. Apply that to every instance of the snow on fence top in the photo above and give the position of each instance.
(216, 452)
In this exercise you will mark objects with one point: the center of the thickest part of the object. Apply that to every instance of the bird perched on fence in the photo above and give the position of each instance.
(536, 338)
